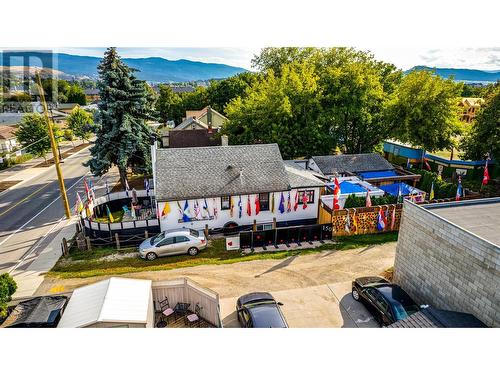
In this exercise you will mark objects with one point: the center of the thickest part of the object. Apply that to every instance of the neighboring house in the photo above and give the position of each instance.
(226, 178)
(193, 138)
(470, 107)
(92, 95)
(203, 119)
(181, 89)
(371, 167)
(7, 138)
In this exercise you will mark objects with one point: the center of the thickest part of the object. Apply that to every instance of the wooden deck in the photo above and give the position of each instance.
(181, 322)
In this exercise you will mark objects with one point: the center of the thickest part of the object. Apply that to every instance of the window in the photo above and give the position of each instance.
(309, 195)
(166, 241)
(225, 202)
(264, 201)
(179, 239)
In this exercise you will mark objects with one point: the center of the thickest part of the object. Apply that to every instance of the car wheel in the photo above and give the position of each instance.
(355, 294)
(193, 251)
(151, 256)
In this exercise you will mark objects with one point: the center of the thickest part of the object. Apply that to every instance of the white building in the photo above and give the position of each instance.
(224, 186)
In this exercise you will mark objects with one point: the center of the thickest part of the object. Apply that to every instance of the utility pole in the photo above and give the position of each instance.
(55, 155)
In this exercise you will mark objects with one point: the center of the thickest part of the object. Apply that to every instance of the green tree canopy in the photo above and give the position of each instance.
(169, 105)
(75, 94)
(484, 134)
(424, 111)
(81, 123)
(7, 288)
(123, 137)
(221, 92)
(33, 133)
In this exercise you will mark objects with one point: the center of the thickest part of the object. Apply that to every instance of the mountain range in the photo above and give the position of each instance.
(151, 69)
(466, 75)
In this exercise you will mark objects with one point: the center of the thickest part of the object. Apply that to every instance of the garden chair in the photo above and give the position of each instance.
(196, 317)
(166, 311)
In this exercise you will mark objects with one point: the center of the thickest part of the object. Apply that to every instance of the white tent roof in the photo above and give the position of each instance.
(112, 300)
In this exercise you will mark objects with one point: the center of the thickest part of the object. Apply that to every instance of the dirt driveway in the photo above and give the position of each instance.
(319, 281)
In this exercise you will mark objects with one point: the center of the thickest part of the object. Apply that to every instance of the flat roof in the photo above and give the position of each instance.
(481, 217)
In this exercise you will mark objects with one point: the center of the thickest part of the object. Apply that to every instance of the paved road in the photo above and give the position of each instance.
(30, 213)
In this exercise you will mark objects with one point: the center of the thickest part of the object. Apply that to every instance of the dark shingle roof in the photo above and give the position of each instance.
(187, 173)
(36, 312)
(434, 318)
(353, 163)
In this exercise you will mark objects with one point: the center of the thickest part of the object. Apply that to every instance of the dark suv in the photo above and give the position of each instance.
(387, 302)
(260, 310)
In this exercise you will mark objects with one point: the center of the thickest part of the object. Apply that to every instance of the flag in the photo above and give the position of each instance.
(336, 194)
(179, 208)
(368, 199)
(134, 196)
(166, 209)
(88, 212)
(215, 207)
(347, 226)
(408, 165)
(107, 187)
(79, 204)
(146, 186)
(304, 200)
(381, 220)
(399, 197)
(257, 204)
(355, 222)
(288, 203)
(132, 210)
(185, 213)
(240, 208)
(272, 203)
(282, 204)
(486, 176)
(431, 194)
(231, 206)
(91, 188)
(393, 218)
(87, 190)
(296, 201)
(127, 188)
(206, 213)
(427, 164)
(459, 189)
(249, 206)
(197, 210)
(110, 217)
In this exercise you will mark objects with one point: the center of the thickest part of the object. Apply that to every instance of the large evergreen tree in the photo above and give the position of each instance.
(123, 137)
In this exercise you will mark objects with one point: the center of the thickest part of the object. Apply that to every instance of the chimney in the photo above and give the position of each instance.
(224, 140)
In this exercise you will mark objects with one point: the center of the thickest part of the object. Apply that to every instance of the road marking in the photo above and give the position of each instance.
(25, 199)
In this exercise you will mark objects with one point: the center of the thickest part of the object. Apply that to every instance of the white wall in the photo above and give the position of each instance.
(171, 221)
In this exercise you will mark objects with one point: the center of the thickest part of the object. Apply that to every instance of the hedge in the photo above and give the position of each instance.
(353, 201)
(442, 189)
(7, 288)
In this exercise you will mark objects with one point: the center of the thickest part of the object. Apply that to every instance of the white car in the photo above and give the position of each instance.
(173, 242)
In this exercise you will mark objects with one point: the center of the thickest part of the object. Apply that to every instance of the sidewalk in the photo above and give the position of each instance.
(29, 276)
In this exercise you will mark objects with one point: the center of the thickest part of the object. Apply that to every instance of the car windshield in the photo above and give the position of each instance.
(157, 238)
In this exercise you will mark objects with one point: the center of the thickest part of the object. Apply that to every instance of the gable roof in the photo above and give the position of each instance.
(113, 300)
(197, 172)
(434, 318)
(351, 163)
(7, 132)
(188, 122)
(299, 177)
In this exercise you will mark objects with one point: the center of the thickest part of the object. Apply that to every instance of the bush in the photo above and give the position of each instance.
(7, 288)
(442, 189)
(353, 201)
(68, 135)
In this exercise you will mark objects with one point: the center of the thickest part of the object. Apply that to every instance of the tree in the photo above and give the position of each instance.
(55, 90)
(221, 92)
(81, 123)
(424, 111)
(274, 58)
(75, 94)
(33, 133)
(7, 288)
(484, 135)
(169, 105)
(281, 109)
(123, 137)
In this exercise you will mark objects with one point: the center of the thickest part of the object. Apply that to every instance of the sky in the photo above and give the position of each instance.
(404, 58)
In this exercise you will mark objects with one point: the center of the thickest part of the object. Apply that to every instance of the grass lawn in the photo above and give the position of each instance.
(81, 264)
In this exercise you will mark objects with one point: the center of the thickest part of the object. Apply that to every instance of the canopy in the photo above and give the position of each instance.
(406, 189)
(378, 174)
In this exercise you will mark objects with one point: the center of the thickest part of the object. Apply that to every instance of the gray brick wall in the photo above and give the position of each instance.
(447, 267)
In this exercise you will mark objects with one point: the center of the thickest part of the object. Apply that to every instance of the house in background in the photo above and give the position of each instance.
(470, 107)
(229, 186)
(371, 167)
(92, 95)
(203, 119)
(8, 140)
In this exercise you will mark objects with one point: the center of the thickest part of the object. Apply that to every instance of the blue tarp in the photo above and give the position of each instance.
(378, 174)
(392, 189)
(347, 187)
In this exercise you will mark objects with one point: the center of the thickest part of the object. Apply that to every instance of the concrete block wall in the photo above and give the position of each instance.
(447, 267)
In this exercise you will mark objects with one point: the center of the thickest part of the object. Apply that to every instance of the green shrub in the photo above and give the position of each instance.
(353, 201)
(7, 288)
(442, 189)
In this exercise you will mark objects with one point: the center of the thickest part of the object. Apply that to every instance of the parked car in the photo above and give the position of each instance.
(260, 310)
(387, 302)
(173, 242)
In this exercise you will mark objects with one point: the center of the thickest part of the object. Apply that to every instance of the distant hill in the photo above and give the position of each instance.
(468, 75)
(151, 69)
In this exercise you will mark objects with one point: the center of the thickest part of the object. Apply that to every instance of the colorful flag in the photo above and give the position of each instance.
(197, 210)
(336, 194)
(393, 218)
(368, 199)
(408, 165)
(146, 185)
(355, 222)
(179, 208)
(486, 176)
(240, 208)
(134, 196)
(288, 203)
(347, 226)
(87, 190)
(281, 207)
(127, 188)
(304, 200)
(296, 201)
(215, 207)
(399, 197)
(427, 164)
(206, 213)
(166, 209)
(249, 206)
(107, 187)
(91, 188)
(186, 215)
(132, 210)
(381, 220)
(79, 204)
(110, 217)
(459, 189)
(431, 194)
(88, 212)
(272, 203)
(231, 206)
(257, 204)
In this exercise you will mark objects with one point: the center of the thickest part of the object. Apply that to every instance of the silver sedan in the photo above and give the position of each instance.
(173, 242)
